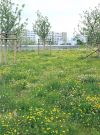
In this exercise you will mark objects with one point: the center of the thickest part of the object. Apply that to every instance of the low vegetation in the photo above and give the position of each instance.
(57, 94)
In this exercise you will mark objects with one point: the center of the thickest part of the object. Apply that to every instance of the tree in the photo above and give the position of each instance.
(78, 39)
(10, 21)
(90, 26)
(42, 27)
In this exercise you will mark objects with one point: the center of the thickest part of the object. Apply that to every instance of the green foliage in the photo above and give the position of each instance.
(42, 27)
(50, 94)
(90, 25)
(10, 18)
(79, 40)
(10, 24)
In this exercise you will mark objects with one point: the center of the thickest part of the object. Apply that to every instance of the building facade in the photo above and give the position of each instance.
(56, 38)
(29, 34)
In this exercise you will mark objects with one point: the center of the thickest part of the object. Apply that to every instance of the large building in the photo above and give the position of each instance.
(56, 38)
(64, 37)
(29, 34)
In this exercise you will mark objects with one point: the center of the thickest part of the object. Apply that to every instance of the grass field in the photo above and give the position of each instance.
(57, 94)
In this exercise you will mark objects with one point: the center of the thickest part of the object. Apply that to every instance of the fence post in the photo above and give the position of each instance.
(50, 46)
(14, 51)
(38, 46)
(0, 51)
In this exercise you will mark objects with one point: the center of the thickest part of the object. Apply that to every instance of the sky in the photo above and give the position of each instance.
(63, 15)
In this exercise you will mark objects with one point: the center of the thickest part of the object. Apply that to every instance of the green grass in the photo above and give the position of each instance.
(57, 94)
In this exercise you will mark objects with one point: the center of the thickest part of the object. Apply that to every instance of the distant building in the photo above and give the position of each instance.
(29, 34)
(56, 38)
(64, 37)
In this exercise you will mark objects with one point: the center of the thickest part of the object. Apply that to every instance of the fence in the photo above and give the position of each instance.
(53, 47)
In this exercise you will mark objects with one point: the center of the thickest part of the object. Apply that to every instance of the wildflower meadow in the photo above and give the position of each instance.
(50, 94)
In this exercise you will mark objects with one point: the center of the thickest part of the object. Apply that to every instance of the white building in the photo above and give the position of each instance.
(58, 38)
(29, 34)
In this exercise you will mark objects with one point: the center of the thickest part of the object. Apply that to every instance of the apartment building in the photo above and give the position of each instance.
(64, 37)
(29, 34)
(56, 38)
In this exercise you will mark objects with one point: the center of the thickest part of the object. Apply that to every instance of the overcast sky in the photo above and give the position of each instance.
(63, 14)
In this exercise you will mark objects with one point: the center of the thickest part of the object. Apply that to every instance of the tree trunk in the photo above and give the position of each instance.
(15, 52)
(38, 46)
(50, 47)
(18, 46)
(44, 44)
(98, 50)
(5, 52)
(0, 53)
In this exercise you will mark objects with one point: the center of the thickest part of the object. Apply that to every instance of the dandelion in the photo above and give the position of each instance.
(48, 128)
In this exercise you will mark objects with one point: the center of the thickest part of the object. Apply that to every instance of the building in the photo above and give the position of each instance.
(56, 38)
(29, 34)
(64, 37)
